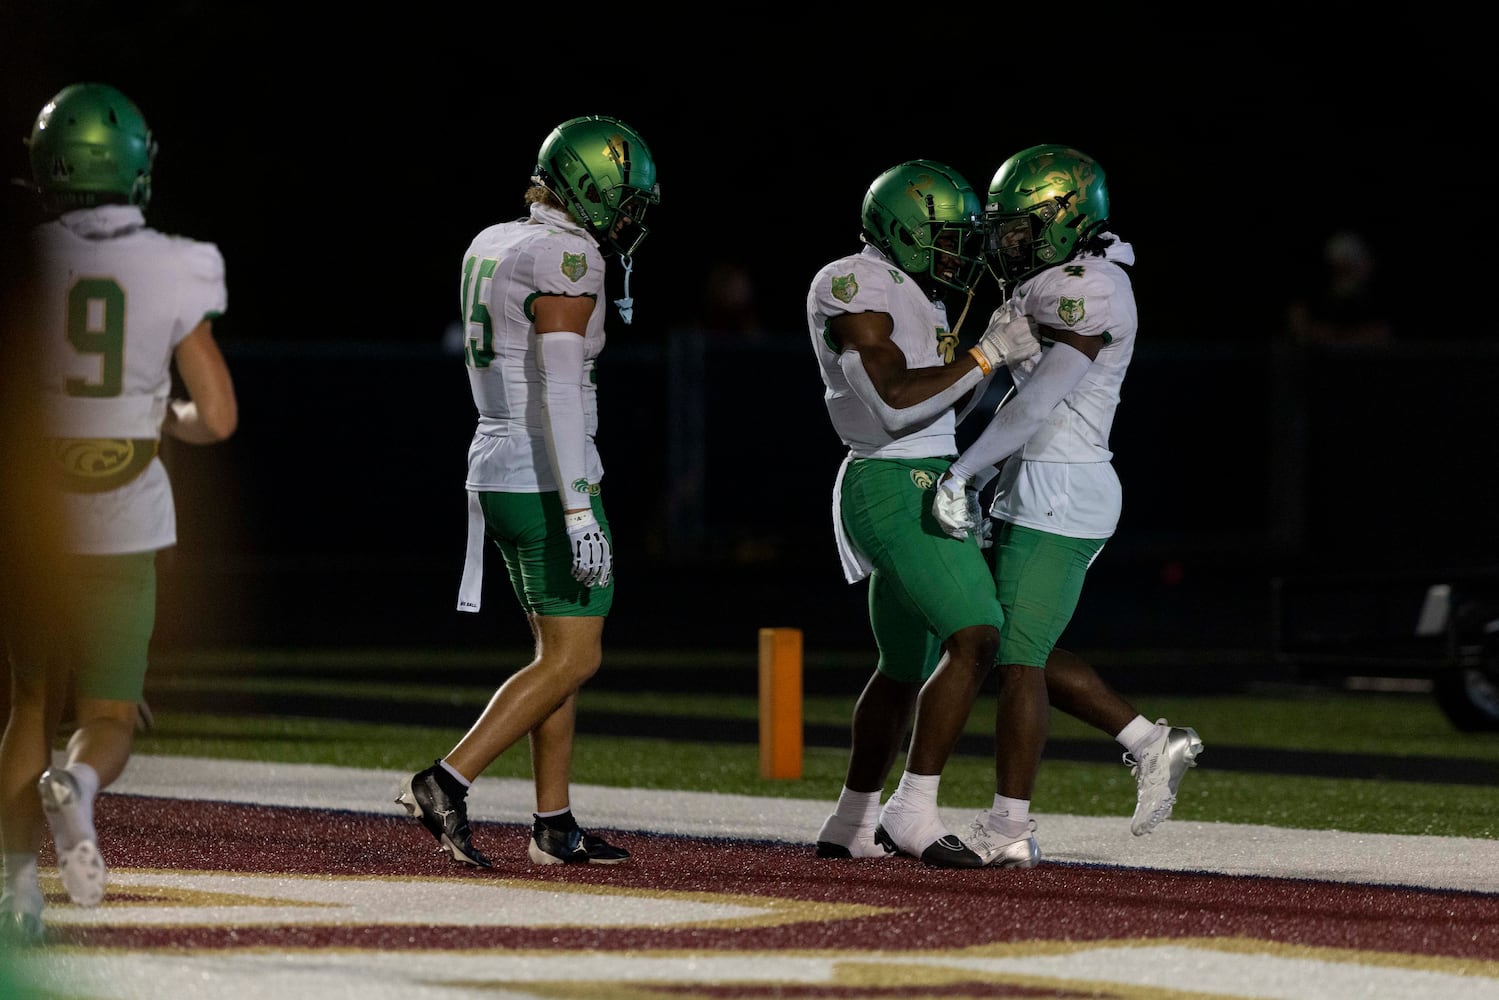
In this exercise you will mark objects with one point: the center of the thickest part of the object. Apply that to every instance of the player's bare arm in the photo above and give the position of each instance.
(211, 412)
(869, 334)
(558, 313)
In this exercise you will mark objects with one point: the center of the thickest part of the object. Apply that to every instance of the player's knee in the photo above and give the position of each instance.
(977, 644)
(580, 666)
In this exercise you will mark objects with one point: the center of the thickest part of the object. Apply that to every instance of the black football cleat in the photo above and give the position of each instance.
(946, 851)
(443, 813)
(571, 847)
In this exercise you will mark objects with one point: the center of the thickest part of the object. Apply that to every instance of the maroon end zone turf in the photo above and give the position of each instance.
(922, 908)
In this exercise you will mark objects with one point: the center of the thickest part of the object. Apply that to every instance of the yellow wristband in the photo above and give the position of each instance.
(978, 355)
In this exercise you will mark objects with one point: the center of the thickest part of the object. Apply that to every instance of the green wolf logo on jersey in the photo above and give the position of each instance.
(574, 265)
(1071, 311)
(586, 488)
(923, 479)
(845, 288)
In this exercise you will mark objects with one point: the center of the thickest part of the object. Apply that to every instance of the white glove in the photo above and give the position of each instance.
(592, 556)
(955, 506)
(1009, 339)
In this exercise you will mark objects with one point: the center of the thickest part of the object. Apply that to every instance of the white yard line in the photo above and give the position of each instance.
(1230, 848)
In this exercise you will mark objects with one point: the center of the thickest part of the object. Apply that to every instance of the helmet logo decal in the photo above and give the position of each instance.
(918, 191)
(1070, 311)
(899, 277)
(845, 287)
(618, 150)
(574, 266)
(923, 479)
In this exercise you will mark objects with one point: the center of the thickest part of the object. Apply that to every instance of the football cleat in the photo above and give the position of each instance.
(20, 923)
(1158, 771)
(571, 847)
(839, 838)
(998, 852)
(947, 851)
(70, 817)
(445, 815)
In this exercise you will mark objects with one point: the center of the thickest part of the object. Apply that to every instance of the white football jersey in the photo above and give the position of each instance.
(1063, 479)
(869, 282)
(114, 300)
(506, 266)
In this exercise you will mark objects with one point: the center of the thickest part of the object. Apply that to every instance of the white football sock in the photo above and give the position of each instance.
(1139, 734)
(910, 817)
(1009, 817)
(860, 809)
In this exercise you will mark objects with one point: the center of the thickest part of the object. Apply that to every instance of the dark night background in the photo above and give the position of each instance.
(342, 161)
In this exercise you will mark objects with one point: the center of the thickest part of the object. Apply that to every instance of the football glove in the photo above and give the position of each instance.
(592, 555)
(1009, 339)
(956, 507)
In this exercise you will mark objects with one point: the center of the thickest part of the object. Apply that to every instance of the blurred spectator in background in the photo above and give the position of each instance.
(728, 305)
(1346, 304)
(726, 320)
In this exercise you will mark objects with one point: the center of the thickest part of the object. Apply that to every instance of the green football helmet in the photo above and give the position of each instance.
(927, 218)
(1044, 204)
(90, 146)
(604, 173)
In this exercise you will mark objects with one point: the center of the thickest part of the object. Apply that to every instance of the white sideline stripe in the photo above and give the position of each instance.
(1462, 863)
(496, 974)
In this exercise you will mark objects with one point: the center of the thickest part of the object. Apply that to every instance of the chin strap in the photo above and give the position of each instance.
(626, 305)
(963, 315)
